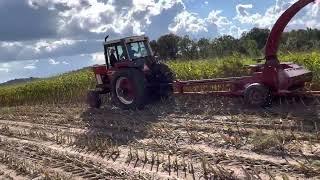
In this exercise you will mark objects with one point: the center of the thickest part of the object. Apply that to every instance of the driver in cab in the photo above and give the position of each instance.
(132, 52)
(112, 57)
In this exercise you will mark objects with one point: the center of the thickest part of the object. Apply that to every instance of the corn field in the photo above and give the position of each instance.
(72, 87)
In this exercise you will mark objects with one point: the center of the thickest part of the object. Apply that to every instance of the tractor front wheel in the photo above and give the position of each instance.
(93, 99)
(257, 95)
(162, 79)
(128, 89)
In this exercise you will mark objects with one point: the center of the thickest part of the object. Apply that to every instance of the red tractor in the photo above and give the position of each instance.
(133, 76)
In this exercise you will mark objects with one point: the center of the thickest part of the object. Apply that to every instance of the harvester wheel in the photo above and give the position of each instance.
(128, 89)
(257, 95)
(93, 99)
(162, 79)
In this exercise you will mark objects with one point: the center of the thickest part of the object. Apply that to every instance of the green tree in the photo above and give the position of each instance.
(188, 48)
(204, 48)
(260, 36)
(168, 46)
(224, 45)
(252, 48)
(154, 47)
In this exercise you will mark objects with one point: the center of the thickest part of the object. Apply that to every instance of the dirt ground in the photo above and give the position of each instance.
(193, 137)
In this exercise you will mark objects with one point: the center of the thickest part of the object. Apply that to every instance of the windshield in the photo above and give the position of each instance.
(137, 50)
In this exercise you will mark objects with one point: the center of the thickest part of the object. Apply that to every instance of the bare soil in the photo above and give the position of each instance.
(191, 137)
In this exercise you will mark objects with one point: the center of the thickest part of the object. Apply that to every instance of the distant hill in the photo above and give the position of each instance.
(19, 81)
(22, 81)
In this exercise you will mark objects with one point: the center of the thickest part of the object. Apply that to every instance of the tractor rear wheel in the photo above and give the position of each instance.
(162, 79)
(128, 89)
(93, 99)
(257, 95)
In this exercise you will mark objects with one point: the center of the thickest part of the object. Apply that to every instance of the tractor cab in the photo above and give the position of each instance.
(127, 52)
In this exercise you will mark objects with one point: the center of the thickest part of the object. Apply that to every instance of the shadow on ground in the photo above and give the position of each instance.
(111, 125)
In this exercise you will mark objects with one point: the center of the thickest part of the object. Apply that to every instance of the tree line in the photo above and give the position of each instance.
(252, 43)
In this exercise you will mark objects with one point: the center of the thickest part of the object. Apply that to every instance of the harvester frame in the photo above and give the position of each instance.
(132, 81)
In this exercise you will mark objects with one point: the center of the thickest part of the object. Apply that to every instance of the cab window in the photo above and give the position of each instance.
(137, 50)
(121, 53)
(112, 55)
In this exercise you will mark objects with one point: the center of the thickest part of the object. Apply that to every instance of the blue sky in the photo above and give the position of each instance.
(41, 38)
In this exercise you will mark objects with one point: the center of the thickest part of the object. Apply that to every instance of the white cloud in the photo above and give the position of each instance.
(49, 46)
(98, 58)
(236, 31)
(65, 63)
(102, 17)
(214, 17)
(242, 9)
(244, 17)
(44, 49)
(112, 16)
(52, 3)
(88, 18)
(308, 17)
(79, 23)
(191, 23)
(53, 62)
(30, 67)
(4, 70)
(5, 65)
(30, 64)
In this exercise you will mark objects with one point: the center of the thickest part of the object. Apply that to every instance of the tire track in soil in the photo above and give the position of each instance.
(219, 120)
(29, 167)
(45, 132)
(265, 159)
(248, 121)
(54, 164)
(178, 126)
(245, 158)
(118, 165)
(145, 166)
(21, 126)
(28, 125)
(7, 174)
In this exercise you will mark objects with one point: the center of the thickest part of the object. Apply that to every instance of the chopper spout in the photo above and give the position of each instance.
(273, 41)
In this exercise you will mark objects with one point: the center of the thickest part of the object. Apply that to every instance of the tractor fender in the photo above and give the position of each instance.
(253, 84)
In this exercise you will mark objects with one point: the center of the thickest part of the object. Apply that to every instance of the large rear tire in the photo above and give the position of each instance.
(93, 99)
(257, 95)
(162, 80)
(128, 89)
